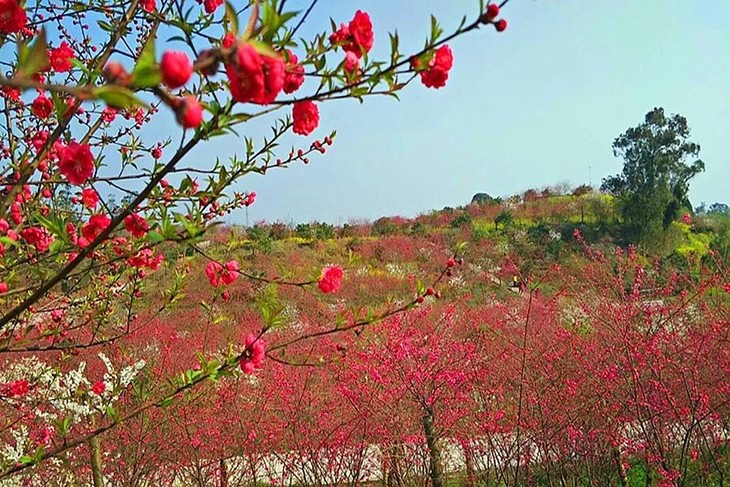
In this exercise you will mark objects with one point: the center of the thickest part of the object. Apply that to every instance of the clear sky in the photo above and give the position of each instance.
(533, 106)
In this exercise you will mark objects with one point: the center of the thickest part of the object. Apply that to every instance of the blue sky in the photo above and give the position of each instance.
(533, 106)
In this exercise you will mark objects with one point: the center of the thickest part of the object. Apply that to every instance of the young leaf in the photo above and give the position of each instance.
(33, 59)
(231, 18)
(118, 97)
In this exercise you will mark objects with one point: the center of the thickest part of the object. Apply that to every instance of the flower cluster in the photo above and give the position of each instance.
(253, 355)
(436, 72)
(222, 274)
(355, 37)
(330, 280)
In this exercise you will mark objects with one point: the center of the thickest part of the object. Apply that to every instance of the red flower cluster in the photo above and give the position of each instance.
(254, 77)
(490, 15)
(294, 75)
(250, 198)
(188, 111)
(16, 388)
(136, 225)
(222, 275)
(437, 72)
(60, 58)
(175, 68)
(253, 355)
(76, 162)
(38, 237)
(146, 258)
(148, 5)
(211, 5)
(89, 197)
(355, 37)
(305, 116)
(94, 227)
(42, 106)
(98, 388)
(12, 16)
(331, 279)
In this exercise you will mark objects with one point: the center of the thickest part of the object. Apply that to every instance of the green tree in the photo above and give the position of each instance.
(505, 218)
(653, 186)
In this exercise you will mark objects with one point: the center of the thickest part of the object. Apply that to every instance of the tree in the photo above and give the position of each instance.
(82, 83)
(718, 207)
(658, 166)
(505, 218)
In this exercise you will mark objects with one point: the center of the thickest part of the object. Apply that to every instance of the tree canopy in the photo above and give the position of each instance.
(659, 162)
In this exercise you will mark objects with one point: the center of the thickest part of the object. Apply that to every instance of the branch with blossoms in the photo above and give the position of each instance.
(248, 360)
(83, 88)
(76, 160)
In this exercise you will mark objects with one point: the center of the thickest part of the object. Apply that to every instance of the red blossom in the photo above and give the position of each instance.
(98, 388)
(305, 115)
(352, 62)
(148, 5)
(17, 388)
(189, 112)
(42, 107)
(175, 68)
(12, 16)
(330, 280)
(60, 58)
(38, 237)
(211, 5)
(361, 30)
(109, 114)
(136, 225)
(89, 197)
(437, 73)
(93, 228)
(222, 274)
(355, 37)
(255, 78)
(250, 198)
(253, 355)
(146, 258)
(294, 75)
(492, 11)
(228, 40)
(76, 163)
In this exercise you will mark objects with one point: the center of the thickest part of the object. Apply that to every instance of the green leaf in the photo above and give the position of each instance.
(155, 237)
(147, 56)
(231, 18)
(118, 97)
(264, 49)
(147, 77)
(35, 58)
(436, 30)
(106, 26)
(25, 459)
(146, 72)
(9, 241)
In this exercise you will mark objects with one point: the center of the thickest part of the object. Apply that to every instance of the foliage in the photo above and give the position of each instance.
(653, 186)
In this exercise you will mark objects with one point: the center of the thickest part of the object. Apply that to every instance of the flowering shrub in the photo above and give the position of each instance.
(84, 87)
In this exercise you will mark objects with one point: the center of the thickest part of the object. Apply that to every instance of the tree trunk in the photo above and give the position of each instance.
(434, 451)
(393, 476)
(96, 468)
(223, 473)
(623, 478)
(469, 464)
